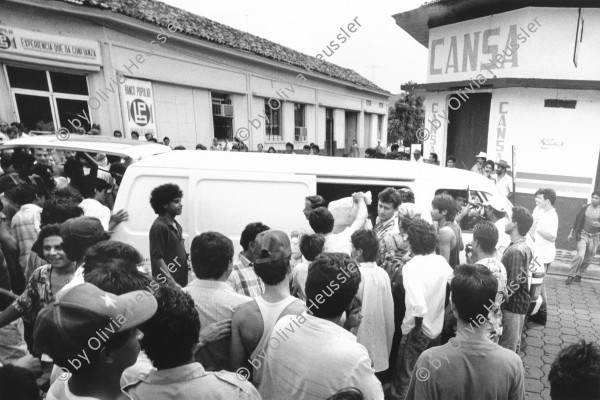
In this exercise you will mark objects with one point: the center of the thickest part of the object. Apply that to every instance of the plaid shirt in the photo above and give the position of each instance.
(243, 279)
(516, 259)
(25, 228)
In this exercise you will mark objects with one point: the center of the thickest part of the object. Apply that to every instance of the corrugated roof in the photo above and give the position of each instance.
(161, 14)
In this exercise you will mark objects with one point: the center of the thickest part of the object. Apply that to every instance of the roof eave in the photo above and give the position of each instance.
(419, 21)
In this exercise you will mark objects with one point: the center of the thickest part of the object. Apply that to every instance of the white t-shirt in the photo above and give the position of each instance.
(339, 242)
(503, 238)
(425, 279)
(93, 208)
(548, 222)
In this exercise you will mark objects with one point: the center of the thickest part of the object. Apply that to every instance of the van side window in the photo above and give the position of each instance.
(469, 205)
(336, 191)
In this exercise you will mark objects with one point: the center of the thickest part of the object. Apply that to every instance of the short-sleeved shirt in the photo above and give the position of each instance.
(191, 381)
(462, 370)
(244, 280)
(38, 293)
(167, 244)
(516, 260)
(547, 221)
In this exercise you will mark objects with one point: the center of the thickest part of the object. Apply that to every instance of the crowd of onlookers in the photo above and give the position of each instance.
(333, 310)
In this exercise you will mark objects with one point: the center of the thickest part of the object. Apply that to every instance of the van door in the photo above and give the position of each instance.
(226, 201)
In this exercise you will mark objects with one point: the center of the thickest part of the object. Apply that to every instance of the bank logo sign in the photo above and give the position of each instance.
(137, 103)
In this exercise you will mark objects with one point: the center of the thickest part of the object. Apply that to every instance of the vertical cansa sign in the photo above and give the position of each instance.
(137, 103)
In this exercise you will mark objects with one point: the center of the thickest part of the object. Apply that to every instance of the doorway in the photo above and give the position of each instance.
(351, 131)
(468, 128)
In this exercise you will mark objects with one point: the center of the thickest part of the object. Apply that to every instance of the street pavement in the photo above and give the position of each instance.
(573, 314)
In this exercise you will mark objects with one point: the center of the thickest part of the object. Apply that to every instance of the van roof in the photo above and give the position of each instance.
(313, 165)
(96, 144)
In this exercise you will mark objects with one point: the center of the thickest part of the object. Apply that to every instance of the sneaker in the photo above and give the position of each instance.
(577, 279)
(538, 318)
(569, 280)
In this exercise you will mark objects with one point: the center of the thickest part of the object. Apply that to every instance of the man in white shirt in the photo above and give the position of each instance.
(417, 156)
(425, 277)
(504, 182)
(321, 221)
(545, 232)
(214, 299)
(376, 331)
(312, 356)
(495, 212)
(94, 192)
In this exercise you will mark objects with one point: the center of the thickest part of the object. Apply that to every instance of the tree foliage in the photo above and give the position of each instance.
(406, 116)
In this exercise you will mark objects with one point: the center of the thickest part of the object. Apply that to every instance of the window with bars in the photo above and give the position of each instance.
(299, 123)
(273, 121)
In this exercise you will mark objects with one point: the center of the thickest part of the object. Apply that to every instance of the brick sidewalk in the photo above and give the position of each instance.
(573, 314)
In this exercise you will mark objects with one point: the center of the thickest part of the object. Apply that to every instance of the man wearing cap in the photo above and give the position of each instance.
(417, 156)
(169, 339)
(91, 334)
(78, 235)
(495, 212)
(504, 182)
(253, 322)
(478, 167)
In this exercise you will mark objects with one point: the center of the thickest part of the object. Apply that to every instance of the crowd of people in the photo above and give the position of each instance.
(322, 312)
(328, 311)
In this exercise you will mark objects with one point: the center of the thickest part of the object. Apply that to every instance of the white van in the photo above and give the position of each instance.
(224, 191)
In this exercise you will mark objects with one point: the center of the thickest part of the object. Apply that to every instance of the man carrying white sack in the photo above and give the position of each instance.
(322, 222)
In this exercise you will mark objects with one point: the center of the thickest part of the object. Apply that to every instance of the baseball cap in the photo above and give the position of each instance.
(496, 204)
(271, 245)
(84, 317)
(82, 227)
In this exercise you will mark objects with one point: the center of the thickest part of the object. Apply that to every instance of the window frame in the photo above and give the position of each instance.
(298, 138)
(269, 125)
(51, 94)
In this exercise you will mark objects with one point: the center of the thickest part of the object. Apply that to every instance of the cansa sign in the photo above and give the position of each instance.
(472, 51)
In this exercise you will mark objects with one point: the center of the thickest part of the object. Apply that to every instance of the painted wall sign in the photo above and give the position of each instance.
(501, 130)
(472, 51)
(137, 103)
(15, 41)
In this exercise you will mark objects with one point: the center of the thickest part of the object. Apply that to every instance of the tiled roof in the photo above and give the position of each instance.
(161, 14)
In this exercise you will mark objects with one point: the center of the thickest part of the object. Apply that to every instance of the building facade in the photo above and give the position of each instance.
(519, 80)
(152, 68)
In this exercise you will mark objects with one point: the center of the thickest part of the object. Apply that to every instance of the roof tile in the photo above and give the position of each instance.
(161, 14)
